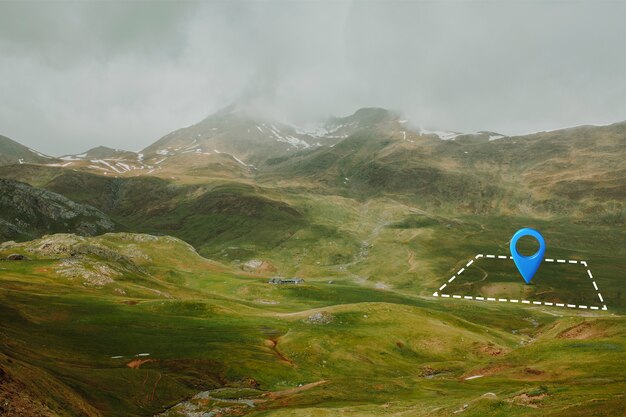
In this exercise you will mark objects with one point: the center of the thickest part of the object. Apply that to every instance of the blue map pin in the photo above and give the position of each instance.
(527, 265)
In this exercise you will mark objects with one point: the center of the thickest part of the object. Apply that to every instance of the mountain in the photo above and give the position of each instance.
(121, 163)
(12, 152)
(212, 215)
(570, 172)
(374, 219)
(366, 118)
(213, 200)
(233, 130)
(386, 121)
(380, 162)
(102, 152)
(27, 212)
(232, 143)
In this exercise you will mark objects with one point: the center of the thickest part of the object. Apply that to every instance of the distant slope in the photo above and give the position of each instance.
(12, 152)
(27, 212)
(216, 200)
(102, 152)
(385, 159)
(211, 216)
(120, 163)
(576, 172)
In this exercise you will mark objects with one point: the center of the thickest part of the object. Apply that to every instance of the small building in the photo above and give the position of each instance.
(280, 281)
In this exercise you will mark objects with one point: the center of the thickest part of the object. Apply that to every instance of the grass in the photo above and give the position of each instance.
(383, 353)
(372, 249)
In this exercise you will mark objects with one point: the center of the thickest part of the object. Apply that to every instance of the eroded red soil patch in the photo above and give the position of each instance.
(136, 364)
(273, 345)
(584, 330)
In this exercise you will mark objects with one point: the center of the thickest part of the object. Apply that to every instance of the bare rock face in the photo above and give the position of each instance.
(9, 244)
(134, 253)
(59, 244)
(27, 212)
(92, 273)
(16, 257)
(258, 266)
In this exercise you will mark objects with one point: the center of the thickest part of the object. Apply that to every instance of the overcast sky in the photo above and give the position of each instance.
(78, 75)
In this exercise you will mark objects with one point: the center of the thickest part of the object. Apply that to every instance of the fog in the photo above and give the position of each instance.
(78, 75)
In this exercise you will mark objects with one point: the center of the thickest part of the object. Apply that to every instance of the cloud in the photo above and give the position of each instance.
(80, 74)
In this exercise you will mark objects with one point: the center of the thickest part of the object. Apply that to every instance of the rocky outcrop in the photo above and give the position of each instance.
(258, 266)
(322, 317)
(27, 212)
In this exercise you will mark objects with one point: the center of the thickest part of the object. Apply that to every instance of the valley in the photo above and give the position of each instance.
(164, 308)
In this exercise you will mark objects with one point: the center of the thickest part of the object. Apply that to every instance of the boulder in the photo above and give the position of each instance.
(321, 317)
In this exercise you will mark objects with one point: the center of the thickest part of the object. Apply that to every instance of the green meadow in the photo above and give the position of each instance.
(174, 329)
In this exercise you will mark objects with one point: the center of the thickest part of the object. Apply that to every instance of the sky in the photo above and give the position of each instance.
(75, 75)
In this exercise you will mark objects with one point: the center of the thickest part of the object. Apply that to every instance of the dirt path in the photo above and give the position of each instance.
(303, 312)
(153, 396)
(291, 391)
(413, 264)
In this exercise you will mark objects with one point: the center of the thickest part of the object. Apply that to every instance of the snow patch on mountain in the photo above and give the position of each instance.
(293, 141)
(59, 165)
(39, 154)
(103, 162)
(320, 131)
(239, 160)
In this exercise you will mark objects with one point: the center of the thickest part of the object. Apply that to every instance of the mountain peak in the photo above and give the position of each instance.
(12, 152)
(245, 111)
(379, 113)
(101, 152)
(239, 129)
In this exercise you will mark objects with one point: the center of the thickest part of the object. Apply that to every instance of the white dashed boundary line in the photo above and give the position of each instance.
(504, 300)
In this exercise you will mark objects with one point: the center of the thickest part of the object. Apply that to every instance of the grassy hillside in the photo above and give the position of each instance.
(212, 216)
(177, 318)
(572, 172)
(318, 348)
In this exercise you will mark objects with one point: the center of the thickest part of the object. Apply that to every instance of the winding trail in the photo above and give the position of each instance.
(291, 391)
